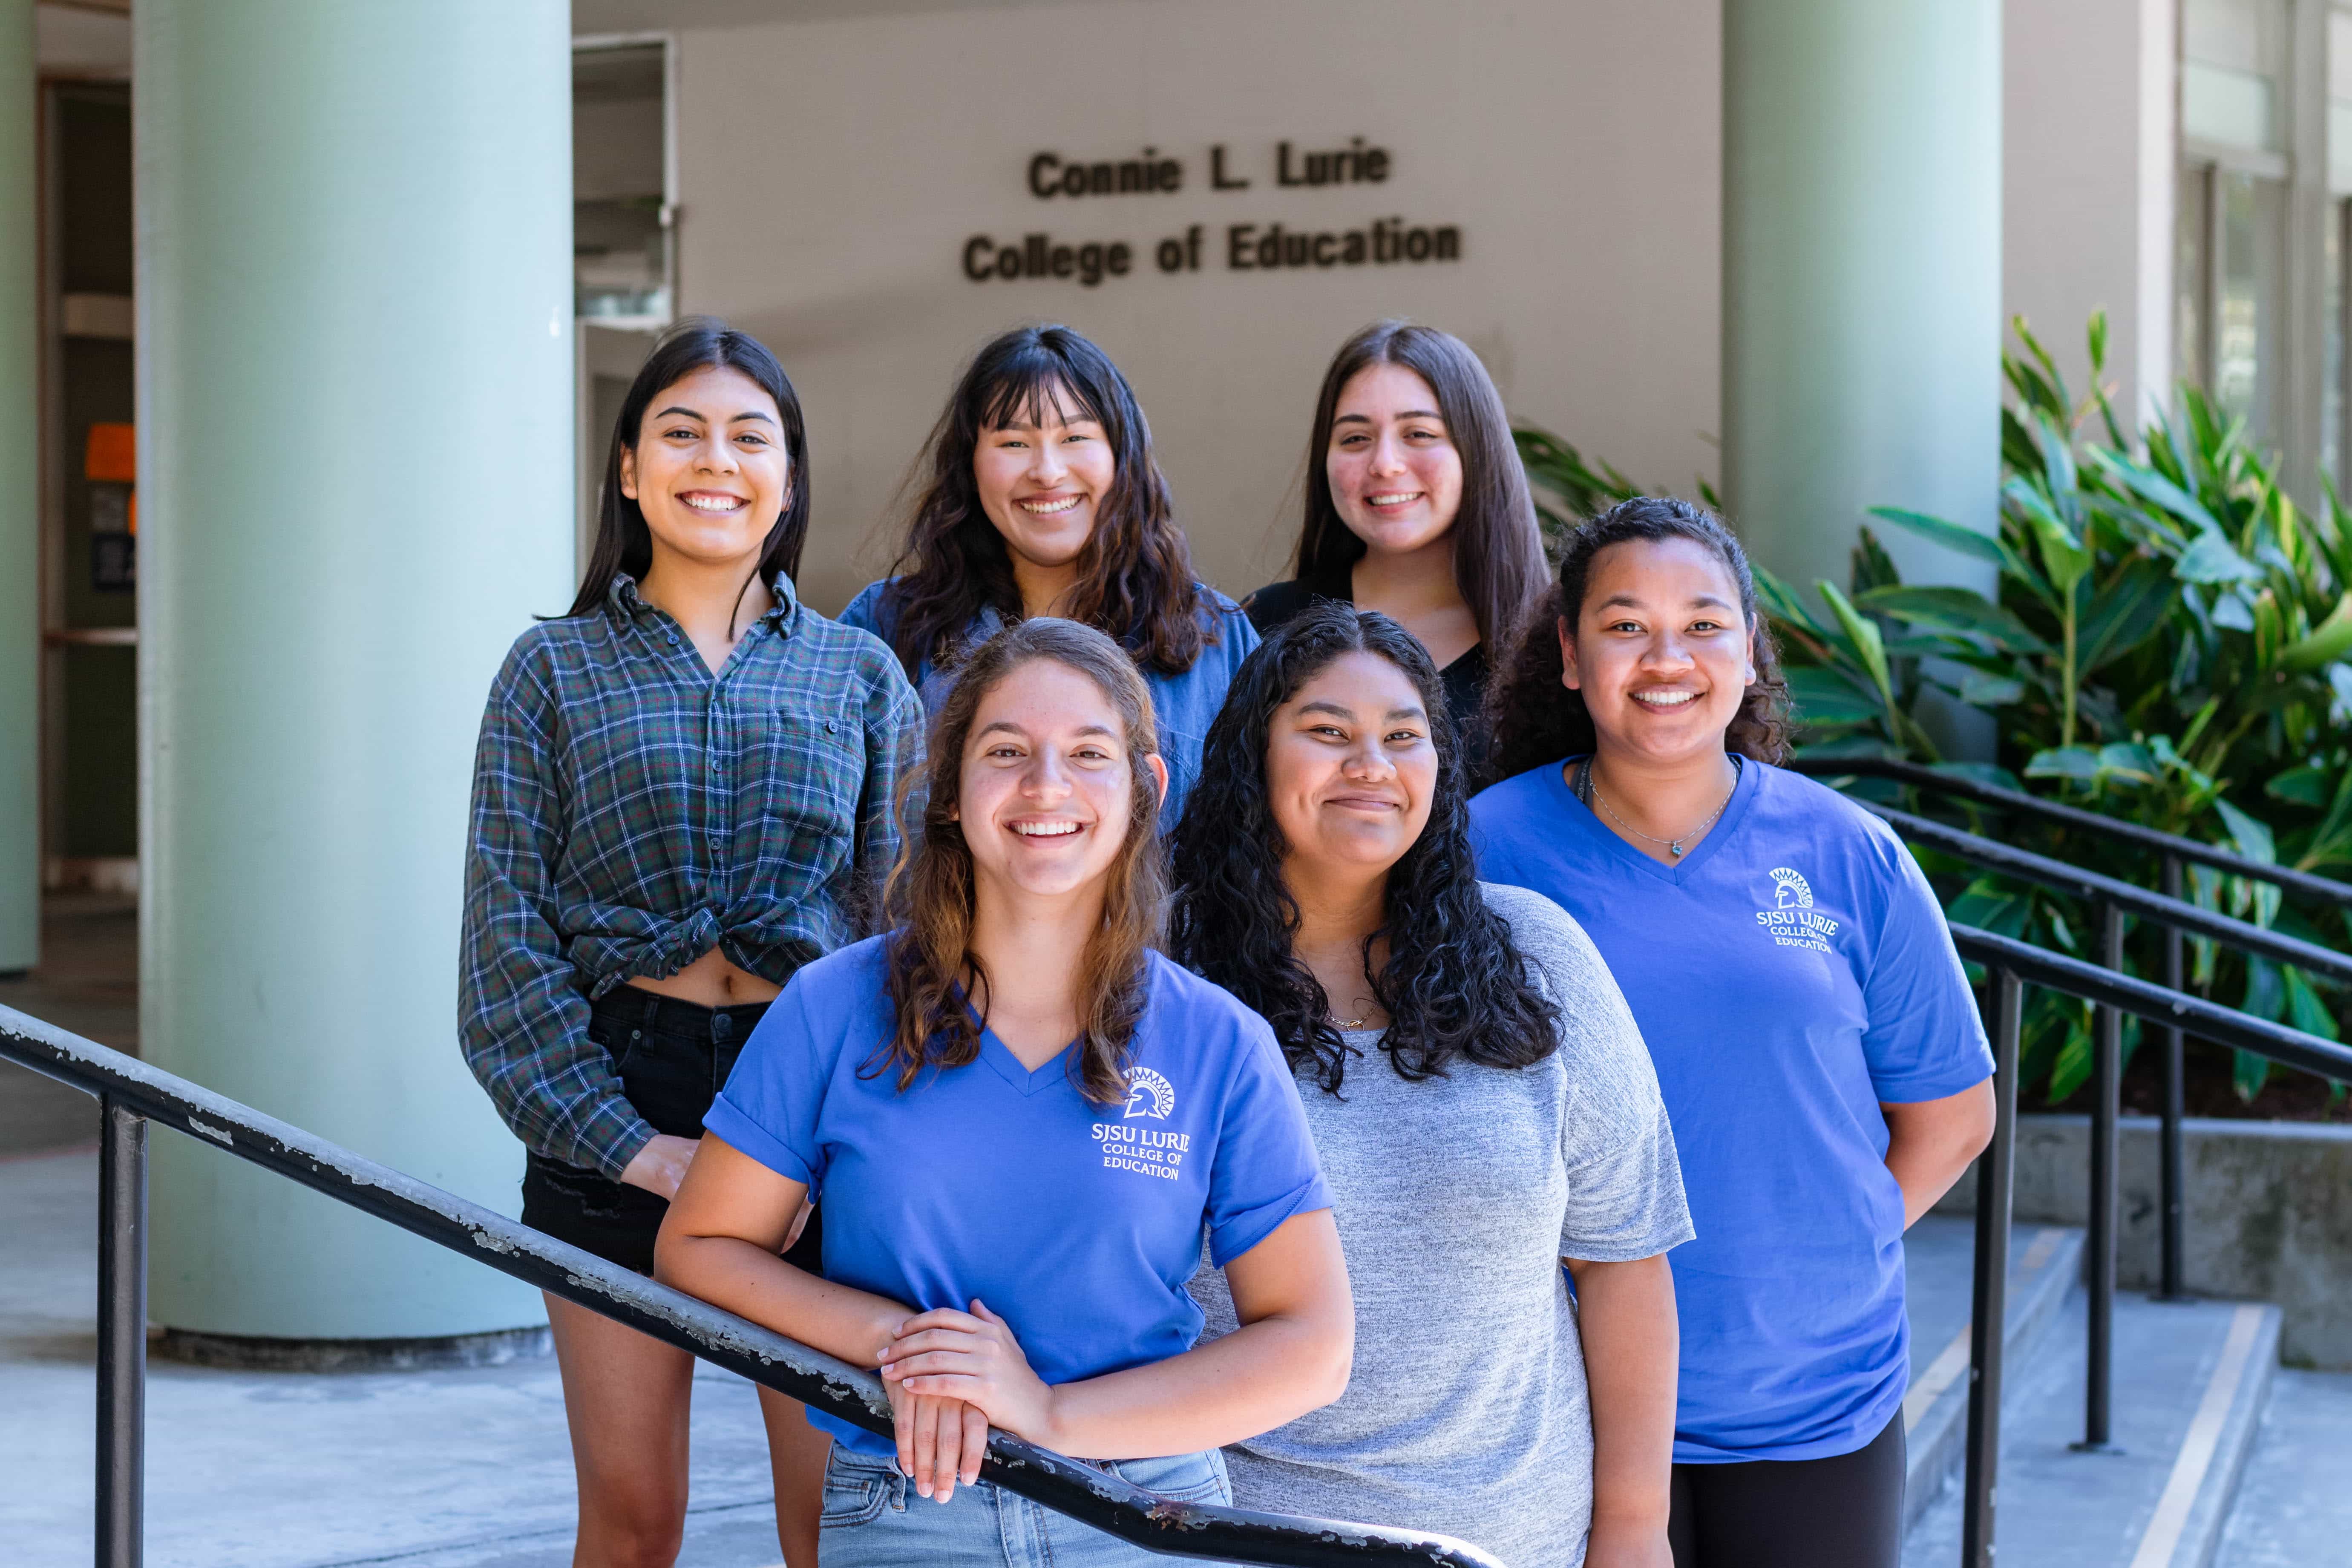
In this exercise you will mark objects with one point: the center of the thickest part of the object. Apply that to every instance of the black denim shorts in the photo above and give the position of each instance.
(673, 1059)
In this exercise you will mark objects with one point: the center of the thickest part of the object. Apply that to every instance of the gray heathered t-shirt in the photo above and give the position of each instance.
(1456, 1199)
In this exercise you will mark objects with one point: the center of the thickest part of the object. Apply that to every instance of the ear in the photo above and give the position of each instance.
(1754, 631)
(1159, 775)
(629, 472)
(1568, 676)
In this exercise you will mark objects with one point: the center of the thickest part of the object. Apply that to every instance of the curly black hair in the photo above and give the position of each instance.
(1535, 720)
(1454, 987)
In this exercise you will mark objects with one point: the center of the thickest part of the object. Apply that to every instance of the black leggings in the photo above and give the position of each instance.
(1845, 1511)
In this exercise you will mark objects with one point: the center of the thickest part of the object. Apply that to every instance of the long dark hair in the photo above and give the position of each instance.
(1537, 720)
(932, 968)
(1453, 986)
(1498, 560)
(624, 543)
(1135, 575)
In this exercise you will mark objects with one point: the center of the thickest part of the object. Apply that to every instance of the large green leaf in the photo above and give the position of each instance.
(2212, 558)
(2125, 613)
(1864, 635)
(1824, 696)
(2153, 485)
(2324, 643)
(1950, 535)
(2065, 558)
(1780, 602)
(1954, 609)
(2251, 836)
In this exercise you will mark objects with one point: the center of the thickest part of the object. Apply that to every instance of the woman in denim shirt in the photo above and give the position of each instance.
(1042, 497)
(682, 793)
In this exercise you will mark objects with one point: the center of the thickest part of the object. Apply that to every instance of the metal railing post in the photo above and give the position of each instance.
(2106, 1094)
(2170, 1159)
(122, 1335)
(1989, 1308)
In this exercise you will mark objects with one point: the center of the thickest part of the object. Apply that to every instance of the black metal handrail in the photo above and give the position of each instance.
(2116, 901)
(2326, 890)
(2093, 888)
(130, 1094)
(2174, 851)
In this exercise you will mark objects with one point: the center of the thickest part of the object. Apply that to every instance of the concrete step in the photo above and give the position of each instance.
(2293, 1509)
(1939, 1261)
(2191, 1380)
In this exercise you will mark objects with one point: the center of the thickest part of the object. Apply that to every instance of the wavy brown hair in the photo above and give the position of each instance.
(1135, 575)
(1498, 559)
(1537, 720)
(939, 988)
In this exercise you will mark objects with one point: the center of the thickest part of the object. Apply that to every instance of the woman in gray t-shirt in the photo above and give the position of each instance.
(1484, 1107)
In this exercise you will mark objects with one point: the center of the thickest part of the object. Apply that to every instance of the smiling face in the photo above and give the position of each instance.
(1659, 651)
(1042, 479)
(1045, 791)
(709, 468)
(1394, 471)
(1350, 769)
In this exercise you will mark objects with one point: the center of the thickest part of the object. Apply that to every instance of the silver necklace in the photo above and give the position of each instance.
(1675, 845)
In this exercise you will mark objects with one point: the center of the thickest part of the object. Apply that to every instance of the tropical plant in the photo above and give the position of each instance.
(2169, 631)
(2170, 642)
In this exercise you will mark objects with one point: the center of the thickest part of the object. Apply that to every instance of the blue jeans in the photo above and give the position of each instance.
(874, 1517)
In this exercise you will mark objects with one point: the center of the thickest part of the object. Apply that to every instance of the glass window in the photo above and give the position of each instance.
(2232, 52)
(2193, 280)
(620, 211)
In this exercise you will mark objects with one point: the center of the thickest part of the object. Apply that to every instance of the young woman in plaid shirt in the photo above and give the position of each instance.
(682, 793)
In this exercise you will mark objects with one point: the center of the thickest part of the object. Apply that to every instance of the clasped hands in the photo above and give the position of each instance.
(952, 1375)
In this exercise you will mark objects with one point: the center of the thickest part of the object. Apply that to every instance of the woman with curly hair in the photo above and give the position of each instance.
(1482, 1104)
(1021, 1121)
(1039, 496)
(1814, 1035)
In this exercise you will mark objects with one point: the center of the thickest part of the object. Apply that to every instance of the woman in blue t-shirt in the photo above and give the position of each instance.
(1814, 1035)
(1039, 496)
(1021, 1121)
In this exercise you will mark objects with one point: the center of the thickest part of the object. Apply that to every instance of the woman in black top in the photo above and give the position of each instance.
(1416, 507)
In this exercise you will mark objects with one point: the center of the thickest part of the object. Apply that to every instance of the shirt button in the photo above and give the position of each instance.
(830, 728)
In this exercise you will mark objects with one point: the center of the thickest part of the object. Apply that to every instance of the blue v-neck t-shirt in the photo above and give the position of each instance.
(1791, 973)
(1078, 1223)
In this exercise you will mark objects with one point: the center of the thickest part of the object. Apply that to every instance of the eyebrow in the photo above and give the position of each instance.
(1341, 712)
(1704, 601)
(1408, 413)
(1010, 727)
(696, 413)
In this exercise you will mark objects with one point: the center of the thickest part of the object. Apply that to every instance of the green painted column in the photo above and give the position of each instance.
(1861, 324)
(354, 295)
(20, 500)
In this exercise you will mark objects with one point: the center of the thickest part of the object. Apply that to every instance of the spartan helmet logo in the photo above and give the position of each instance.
(1149, 1094)
(1789, 890)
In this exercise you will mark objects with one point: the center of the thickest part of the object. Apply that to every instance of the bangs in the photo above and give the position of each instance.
(1033, 383)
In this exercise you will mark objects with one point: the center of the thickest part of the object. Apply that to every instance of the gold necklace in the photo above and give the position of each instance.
(1675, 845)
(1347, 1023)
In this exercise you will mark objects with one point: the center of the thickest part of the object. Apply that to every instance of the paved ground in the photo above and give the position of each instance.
(2295, 1509)
(88, 982)
(446, 1470)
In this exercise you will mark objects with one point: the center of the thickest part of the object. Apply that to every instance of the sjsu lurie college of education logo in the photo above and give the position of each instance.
(1149, 1094)
(1154, 1152)
(1791, 921)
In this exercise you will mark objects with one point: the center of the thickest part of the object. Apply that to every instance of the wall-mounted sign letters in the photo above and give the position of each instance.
(1053, 177)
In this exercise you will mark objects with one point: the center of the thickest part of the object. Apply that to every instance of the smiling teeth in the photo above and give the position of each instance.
(1395, 498)
(1045, 829)
(1048, 508)
(728, 504)
(1664, 698)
